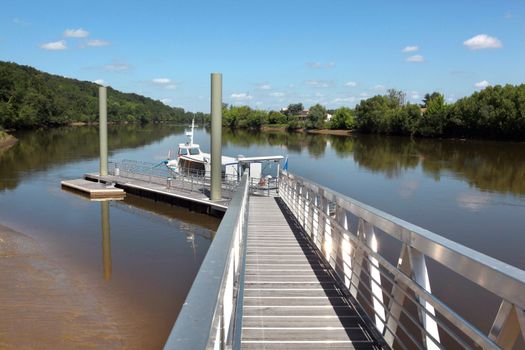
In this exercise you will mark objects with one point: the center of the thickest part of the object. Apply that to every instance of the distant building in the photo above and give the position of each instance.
(303, 115)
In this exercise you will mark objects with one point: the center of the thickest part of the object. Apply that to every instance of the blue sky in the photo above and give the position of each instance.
(271, 53)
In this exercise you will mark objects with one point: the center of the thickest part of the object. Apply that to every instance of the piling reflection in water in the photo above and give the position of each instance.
(106, 239)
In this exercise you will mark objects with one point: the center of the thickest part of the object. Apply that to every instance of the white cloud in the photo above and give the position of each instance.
(116, 67)
(319, 83)
(379, 87)
(314, 65)
(415, 95)
(351, 84)
(54, 45)
(98, 42)
(482, 41)
(319, 65)
(482, 84)
(410, 49)
(164, 82)
(166, 100)
(161, 81)
(100, 82)
(416, 58)
(277, 94)
(263, 86)
(349, 99)
(241, 96)
(76, 33)
(21, 22)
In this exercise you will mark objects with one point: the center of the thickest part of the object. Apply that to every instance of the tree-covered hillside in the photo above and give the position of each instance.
(31, 98)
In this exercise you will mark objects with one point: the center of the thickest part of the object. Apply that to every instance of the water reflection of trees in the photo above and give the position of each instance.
(295, 142)
(390, 155)
(39, 150)
(487, 165)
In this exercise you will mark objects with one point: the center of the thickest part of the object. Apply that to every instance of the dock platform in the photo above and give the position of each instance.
(175, 194)
(291, 299)
(95, 190)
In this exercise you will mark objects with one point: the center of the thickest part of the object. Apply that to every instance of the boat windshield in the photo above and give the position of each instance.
(194, 151)
(183, 151)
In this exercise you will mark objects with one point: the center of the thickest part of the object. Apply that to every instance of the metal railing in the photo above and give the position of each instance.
(187, 180)
(207, 319)
(397, 295)
(264, 186)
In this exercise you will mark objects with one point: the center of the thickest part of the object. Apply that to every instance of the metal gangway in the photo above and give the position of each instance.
(371, 266)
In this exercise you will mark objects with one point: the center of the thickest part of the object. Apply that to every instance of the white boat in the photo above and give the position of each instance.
(191, 160)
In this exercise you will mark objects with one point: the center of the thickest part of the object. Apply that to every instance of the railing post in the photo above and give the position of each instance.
(322, 221)
(420, 275)
(509, 323)
(306, 210)
(397, 298)
(357, 260)
(304, 190)
(375, 277)
(311, 209)
(315, 219)
(337, 237)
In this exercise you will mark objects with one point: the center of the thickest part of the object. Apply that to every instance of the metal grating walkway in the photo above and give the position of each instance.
(290, 300)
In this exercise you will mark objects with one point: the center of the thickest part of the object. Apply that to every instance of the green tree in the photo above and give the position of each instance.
(343, 118)
(434, 119)
(371, 114)
(316, 116)
(429, 97)
(396, 98)
(31, 98)
(404, 120)
(276, 118)
(295, 108)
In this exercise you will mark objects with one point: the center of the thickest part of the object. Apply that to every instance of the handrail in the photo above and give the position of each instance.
(326, 217)
(205, 319)
(188, 180)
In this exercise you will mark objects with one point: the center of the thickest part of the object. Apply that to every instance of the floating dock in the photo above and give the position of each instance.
(176, 194)
(95, 190)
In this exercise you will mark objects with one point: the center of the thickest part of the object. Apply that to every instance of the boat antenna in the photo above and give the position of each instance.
(192, 127)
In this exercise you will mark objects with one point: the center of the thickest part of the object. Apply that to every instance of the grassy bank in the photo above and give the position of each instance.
(6, 140)
(284, 127)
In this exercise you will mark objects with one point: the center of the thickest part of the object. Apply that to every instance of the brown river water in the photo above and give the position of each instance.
(65, 282)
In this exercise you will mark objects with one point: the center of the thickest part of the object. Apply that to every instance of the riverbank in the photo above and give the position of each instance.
(6, 141)
(329, 132)
(280, 128)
